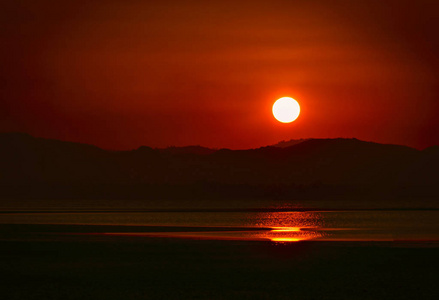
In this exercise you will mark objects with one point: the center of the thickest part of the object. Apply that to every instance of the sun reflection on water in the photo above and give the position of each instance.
(283, 240)
(273, 226)
(289, 226)
(285, 229)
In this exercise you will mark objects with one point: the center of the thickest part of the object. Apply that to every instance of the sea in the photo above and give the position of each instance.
(275, 222)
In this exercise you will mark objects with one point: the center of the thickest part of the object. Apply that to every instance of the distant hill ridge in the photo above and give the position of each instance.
(199, 150)
(196, 149)
(289, 143)
(29, 161)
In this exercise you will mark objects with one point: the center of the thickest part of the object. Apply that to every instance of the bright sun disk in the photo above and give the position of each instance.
(286, 109)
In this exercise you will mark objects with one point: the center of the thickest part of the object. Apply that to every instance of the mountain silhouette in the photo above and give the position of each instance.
(37, 167)
(289, 143)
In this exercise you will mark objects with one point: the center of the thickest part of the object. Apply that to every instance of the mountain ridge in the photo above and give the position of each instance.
(43, 164)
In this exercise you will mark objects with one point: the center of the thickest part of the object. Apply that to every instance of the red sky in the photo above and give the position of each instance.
(120, 74)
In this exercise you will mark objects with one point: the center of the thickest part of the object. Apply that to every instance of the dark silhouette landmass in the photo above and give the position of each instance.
(285, 144)
(44, 168)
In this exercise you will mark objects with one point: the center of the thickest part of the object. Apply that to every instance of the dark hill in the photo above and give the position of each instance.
(198, 150)
(35, 167)
(285, 144)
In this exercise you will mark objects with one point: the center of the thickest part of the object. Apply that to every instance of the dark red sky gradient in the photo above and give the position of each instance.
(120, 74)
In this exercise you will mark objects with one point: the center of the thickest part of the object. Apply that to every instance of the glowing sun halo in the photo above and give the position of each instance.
(286, 109)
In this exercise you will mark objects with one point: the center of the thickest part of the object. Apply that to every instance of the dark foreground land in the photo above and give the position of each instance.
(118, 267)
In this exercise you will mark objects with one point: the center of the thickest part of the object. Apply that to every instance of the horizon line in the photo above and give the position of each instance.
(300, 140)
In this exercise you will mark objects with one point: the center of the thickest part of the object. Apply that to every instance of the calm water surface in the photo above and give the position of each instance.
(270, 225)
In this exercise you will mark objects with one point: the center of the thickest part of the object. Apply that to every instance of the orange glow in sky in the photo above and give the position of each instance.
(120, 74)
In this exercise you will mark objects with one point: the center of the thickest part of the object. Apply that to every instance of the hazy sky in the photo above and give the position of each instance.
(120, 74)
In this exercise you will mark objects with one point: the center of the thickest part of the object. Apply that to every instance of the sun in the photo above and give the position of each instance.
(286, 109)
